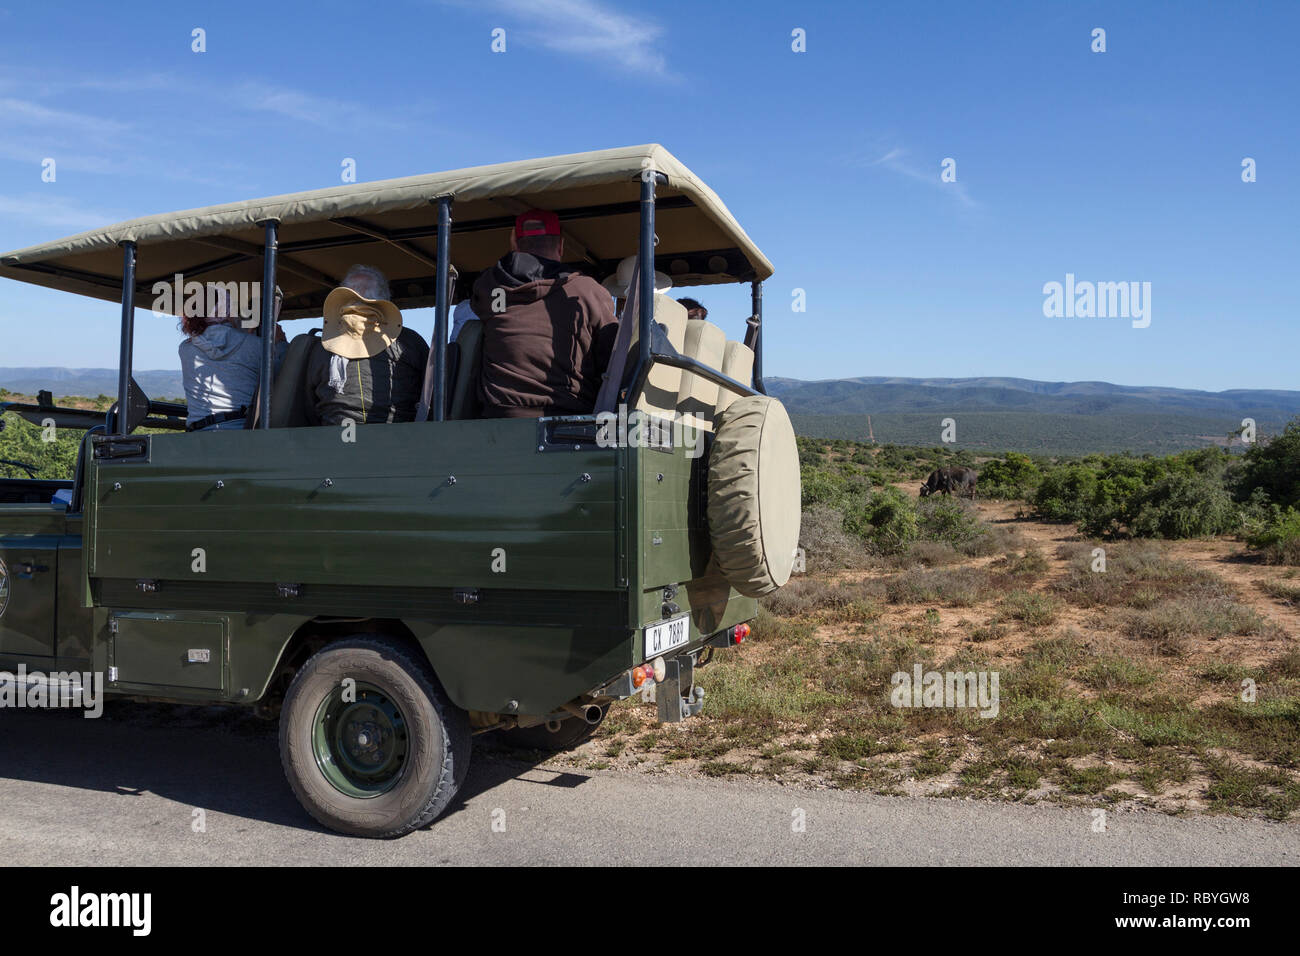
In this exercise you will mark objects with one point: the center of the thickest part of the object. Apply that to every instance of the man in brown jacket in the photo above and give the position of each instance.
(547, 330)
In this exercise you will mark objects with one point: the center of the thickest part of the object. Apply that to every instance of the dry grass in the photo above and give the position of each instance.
(1288, 592)
(1116, 686)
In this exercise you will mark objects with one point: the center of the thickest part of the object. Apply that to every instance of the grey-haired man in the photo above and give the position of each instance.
(366, 367)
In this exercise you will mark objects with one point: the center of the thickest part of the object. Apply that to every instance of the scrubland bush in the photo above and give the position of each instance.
(1273, 466)
(1012, 476)
(1279, 538)
(952, 522)
(22, 441)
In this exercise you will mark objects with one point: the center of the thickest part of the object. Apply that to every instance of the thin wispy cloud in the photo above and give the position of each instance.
(584, 28)
(35, 123)
(108, 149)
(252, 96)
(14, 110)
(898, 160)
(134, 83)
(325, 112)
(55, 211)
(31, 131)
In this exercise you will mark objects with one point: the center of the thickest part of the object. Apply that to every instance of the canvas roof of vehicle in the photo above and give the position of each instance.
(392, 225)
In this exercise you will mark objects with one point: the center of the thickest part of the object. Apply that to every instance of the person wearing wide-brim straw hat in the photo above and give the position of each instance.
(366, 367)
(357, 327)
(617, 284)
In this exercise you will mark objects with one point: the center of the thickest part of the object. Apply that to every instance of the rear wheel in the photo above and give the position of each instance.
(369, 741)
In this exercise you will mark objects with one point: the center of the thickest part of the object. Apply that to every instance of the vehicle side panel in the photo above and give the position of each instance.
(508, 574)
(30, 535)
(74, 620)
(418, 505)
(533, 670)
(674, 549)
(527, 580)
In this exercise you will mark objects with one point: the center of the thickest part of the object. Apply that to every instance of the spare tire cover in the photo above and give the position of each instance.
(754, 495)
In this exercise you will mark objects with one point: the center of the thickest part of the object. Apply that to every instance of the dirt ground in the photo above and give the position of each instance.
(943, 761)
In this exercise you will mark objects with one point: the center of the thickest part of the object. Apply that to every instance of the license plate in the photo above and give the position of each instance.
(660, 638)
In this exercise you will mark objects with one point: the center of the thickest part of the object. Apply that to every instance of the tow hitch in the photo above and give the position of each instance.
(673, 704)
(670, 683)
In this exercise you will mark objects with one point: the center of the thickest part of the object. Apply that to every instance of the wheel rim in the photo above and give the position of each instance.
(360, 744)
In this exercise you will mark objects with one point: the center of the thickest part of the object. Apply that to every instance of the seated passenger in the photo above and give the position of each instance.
(694, 310)
(365, 367)
(221, 363)
(462, 313)
(618, 283)
(547, 330)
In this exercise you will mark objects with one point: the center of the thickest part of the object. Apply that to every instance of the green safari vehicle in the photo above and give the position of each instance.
(389, 591)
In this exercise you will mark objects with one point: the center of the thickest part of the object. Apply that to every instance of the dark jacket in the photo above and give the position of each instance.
(545, 353)
(385, 388)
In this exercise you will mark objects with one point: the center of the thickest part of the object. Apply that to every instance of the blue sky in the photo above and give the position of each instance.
(1115, 166)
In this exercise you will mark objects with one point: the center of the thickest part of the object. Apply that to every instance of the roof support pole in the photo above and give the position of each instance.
(756, 307)
(645, 293)
(128, 336)
(646, 274)
(269, 252)
(442, 297)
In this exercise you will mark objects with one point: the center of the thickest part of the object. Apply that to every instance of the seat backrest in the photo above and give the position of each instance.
(464, 389)
(697, 397)
(737, 363)
(660, 392)
(288, 394)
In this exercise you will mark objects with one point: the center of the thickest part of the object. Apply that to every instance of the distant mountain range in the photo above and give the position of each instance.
(1016, 414)
(872, 395)
(88, 382)
(993, 413)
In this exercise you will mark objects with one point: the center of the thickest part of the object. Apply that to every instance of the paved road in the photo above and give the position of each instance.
(122, 790)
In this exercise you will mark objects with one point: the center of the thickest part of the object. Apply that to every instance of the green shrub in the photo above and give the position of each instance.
(1274, 467)
(1012, 476)
(951, 522)
(1187, 495)
(22, 441)
(1279, 539)
(1063, 493)
(886, 520)
(1184, 506)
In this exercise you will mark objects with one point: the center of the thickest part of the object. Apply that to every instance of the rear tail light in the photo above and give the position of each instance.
(739, 633)
(649, 672)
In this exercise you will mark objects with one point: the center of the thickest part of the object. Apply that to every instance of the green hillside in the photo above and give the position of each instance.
(1036, 432)
(1011, 414)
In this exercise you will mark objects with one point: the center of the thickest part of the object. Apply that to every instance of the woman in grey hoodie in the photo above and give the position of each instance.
(221, 364)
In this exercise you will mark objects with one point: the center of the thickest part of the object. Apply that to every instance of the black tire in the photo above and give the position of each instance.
(568, 735)
(435, 737)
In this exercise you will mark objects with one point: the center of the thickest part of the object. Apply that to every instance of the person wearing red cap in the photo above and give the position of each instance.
(548, 330)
